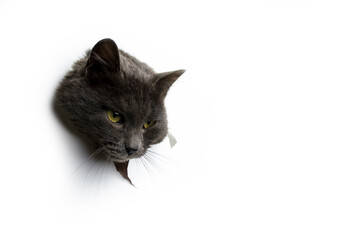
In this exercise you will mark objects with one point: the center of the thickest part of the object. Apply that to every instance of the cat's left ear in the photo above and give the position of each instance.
(104, 57)
(163, 81)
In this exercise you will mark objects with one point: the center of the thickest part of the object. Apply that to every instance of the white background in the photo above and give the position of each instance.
(266, 116)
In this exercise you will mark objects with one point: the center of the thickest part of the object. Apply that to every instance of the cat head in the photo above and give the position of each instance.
(114, 106)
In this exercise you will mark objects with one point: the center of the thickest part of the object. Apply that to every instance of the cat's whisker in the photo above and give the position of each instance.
(145, 165)
(96, 152)
(102, 170)
(153, 163)
(137, 162)
(78, 168)
(147, 161)
(158, 154)
(157, 157)
(95, 162)
(90, 169)
(92, 155)
(98, 169)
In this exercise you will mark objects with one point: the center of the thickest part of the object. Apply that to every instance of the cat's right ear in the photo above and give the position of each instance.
(163, 81)
(104, 58)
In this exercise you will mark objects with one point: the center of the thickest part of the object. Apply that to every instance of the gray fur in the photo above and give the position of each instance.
(110, 79)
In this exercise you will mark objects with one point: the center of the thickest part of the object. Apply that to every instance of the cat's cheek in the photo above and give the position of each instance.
(155, 135)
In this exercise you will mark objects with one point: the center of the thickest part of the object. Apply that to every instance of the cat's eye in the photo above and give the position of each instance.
(149, 124)
(114, 117)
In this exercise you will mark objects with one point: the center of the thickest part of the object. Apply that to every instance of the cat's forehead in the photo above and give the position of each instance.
(134, 97)
(132, 68)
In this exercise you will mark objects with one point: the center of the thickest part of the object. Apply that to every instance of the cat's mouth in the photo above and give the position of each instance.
(115, 153)
(114, 157)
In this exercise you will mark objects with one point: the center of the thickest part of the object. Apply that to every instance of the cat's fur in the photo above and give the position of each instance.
(107, 78)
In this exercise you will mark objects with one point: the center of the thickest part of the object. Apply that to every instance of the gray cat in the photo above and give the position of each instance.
(116, 102)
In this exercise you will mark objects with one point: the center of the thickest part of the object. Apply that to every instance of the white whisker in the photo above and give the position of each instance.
(152, 161)
(91, 155)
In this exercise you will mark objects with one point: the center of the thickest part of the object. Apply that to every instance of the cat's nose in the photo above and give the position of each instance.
(131, 150)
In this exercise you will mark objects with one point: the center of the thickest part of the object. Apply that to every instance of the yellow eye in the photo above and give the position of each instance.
(114, 117)
(149, 124)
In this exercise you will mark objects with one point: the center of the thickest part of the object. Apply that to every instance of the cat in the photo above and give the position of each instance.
(116, 102)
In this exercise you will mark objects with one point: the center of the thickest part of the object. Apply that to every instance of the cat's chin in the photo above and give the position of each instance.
(119, 160)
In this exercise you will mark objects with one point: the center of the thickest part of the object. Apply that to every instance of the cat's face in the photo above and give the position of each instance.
(128, 118)
(118, 112)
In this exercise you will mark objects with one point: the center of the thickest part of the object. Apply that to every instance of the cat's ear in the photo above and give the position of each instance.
(163, 81)
(104, 57)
